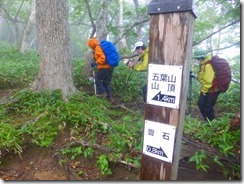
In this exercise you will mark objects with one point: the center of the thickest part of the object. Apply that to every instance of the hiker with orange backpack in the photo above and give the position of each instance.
(206, 75)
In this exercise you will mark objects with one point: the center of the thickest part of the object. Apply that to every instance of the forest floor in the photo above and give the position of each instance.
(38, 163)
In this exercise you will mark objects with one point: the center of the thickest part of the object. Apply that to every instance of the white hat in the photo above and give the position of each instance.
(138, 44)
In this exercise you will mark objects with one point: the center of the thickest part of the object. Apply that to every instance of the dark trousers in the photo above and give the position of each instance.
(206, 104)
(102, 79)
(144, 92)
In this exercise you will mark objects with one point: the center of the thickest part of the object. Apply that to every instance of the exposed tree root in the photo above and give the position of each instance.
(123, 107)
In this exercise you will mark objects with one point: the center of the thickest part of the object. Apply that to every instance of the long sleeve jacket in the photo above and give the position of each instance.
(99, 55)
(143, 65)
(206, 76)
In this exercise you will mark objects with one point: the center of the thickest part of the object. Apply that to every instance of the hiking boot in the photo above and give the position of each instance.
(101, 95)
(110, 99)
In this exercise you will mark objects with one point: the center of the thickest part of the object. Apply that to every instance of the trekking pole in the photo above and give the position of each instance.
(128, 75)
(192, 76)
(127, 78)
(190, 92)
(94, 81)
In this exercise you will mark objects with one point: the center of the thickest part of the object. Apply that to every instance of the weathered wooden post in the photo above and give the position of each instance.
(170, 50)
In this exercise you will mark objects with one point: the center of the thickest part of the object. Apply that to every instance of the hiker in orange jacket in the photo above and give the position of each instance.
(104, 71)
(208, 97)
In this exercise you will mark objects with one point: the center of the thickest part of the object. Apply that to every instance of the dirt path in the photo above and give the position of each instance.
(42, 164)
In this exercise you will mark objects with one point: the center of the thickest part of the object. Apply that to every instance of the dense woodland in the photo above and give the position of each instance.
(46, 63)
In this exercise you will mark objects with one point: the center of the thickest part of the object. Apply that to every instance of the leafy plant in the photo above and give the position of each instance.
(103, 165)
(73, 152)
(41, 134)
(136, 161)
(88, 153)
(218, 134)
(198, 158)
(80, 173)
(10, 138)
(77, 151)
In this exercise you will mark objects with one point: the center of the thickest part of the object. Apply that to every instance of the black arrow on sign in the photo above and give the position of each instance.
(156, 151)
(164, 98)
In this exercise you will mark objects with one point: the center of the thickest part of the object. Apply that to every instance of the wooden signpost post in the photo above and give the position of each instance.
(170, 50)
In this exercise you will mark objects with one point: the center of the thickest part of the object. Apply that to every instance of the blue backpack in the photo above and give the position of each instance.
(112, 56)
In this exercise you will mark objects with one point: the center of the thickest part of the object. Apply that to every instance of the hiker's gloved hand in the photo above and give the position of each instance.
(93, 65)
(203, 94)
(130, 65)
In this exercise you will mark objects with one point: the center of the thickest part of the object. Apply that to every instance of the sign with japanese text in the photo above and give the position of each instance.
(164, 84)
(159, 140)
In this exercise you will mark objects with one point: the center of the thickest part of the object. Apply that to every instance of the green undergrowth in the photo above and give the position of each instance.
(17, 69)
(37, 118)
(218, 134)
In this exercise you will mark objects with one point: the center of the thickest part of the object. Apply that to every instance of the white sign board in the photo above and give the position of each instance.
(164, 84)
(159, 140)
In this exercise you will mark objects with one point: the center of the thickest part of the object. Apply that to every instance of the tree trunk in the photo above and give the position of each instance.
(54, 46)
(1, 27)
(138, 17)
(101, 33)
(28, 28)
(15, 24)
(121, 20)
(102, 21)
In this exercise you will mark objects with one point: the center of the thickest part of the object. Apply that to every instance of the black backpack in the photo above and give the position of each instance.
(222, 73)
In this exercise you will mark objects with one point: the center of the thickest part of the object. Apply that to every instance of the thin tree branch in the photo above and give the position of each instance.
(91, 18)
(128, 57)
(132, 26)
(232, 23)
(229, 46)
(19, 10)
